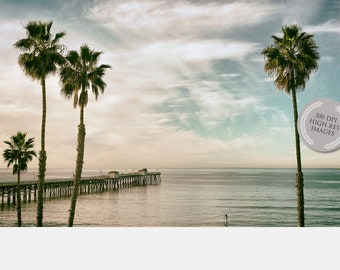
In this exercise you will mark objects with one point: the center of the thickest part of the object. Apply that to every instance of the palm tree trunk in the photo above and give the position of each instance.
(79, 166)
(299, 174)
(19, 197)
(42, 158)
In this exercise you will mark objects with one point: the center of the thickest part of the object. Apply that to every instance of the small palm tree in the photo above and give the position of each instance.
(79, 74)
(19, 153)
(42, 56)
(291, 60)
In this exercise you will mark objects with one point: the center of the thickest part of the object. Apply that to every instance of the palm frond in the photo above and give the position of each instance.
(58, 36)
(75, 99)
(15, 169)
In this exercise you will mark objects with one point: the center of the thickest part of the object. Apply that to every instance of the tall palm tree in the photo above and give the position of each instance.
(291, 59)
(42, 56)
(19, 153)
(80, 73)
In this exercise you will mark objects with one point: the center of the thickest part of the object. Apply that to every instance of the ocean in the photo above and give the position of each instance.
(194, 198)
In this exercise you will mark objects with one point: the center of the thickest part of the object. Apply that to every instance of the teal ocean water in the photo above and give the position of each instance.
(196, 198)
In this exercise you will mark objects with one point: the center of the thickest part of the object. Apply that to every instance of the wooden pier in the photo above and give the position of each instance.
(63, 187)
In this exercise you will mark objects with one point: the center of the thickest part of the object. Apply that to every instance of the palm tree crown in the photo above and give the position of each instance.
(19, 152)
(42, 52)
(80, 73)
(291, 59)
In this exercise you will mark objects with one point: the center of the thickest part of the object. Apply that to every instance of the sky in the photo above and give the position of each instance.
(187, 87)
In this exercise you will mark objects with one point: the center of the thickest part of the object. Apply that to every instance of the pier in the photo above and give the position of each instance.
(60, 188)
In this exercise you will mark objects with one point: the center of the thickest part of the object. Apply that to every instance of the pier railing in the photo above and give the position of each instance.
(60, 188)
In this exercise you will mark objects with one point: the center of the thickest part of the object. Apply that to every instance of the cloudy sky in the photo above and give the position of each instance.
(186, 88)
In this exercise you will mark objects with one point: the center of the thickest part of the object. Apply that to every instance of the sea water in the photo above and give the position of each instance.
(195, 198)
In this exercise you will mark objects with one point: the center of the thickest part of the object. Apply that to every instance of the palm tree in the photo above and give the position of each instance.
(79, 74)
(42, 56)
(19, 153)
(291, 59)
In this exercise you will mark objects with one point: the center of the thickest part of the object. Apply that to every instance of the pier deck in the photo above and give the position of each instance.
(58, 188)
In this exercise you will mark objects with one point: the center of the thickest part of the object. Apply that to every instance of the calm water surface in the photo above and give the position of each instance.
(197, 198)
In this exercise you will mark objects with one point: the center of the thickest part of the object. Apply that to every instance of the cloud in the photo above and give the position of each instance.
(330, 26)
(198, 50)
(295, 11)
(177, 17)
(165, 59)
(186, 88)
